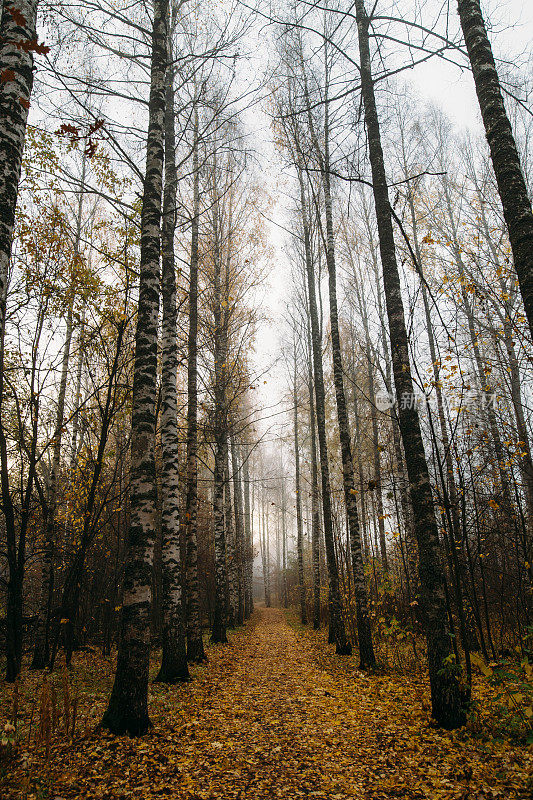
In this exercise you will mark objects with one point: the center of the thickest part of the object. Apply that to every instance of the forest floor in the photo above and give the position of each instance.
(274, 714)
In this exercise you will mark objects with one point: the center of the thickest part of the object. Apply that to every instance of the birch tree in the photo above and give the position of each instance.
(128, 705)
(174, 657)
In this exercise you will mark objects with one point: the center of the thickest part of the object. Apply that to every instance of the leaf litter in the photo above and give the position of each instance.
(273, 714)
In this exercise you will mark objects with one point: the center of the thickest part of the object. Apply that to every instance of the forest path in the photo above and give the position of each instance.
(279, 731)
(275, 714)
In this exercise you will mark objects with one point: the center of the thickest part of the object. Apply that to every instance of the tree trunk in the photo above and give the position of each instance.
(284, 588)
(232, 603)
(358, 447)
(265, 551)
(218, 631)
(445, 690)
(239, 531)
(377, 486)
(315, 510)
(248, 538)
(504, 153)
(17, 28)
(343, 646)
(174, 657)
(128, 704)
(364, 631)
(299, 523)
(195, 644)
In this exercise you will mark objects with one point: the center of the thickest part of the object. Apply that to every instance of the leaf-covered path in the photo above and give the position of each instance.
(275, 714)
